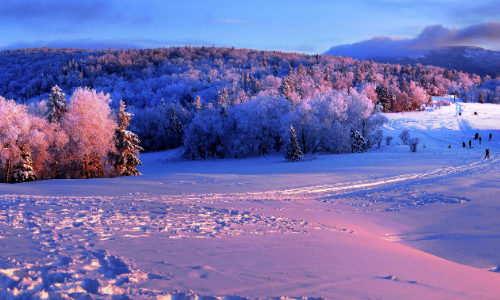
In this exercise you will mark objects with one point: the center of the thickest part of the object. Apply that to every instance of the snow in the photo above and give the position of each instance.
(384, 224)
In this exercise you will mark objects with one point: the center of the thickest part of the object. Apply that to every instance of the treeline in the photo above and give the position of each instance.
(144, 77)
(227, 102)
(50, 139)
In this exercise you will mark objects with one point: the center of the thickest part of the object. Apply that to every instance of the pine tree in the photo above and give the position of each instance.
(358, 142)
(293, 152)
(383, 97)
(198, 103)
(175, 127)
(224, 97)
(275, 69)
(23, 170)
(125, 160)
(327, 75)
(256, 87)
(286, 89)
(56, 105)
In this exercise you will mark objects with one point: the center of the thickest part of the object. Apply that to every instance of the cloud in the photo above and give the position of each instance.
(63, 14)
(431, 37)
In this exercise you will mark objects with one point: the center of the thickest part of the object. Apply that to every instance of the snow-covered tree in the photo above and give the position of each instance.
(375, 137)
(223, 97)
(23, 170)
(90, 127)
(388, 140)
(197, 103)
(358, 143)
(56, 105)
(14, 126)
(405, 136)
(203, 136)
(175, 129)
(293, 152)
(413, 142)
(383, 97)
(125, 157)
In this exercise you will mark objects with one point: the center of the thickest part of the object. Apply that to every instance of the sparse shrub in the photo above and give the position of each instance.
(413, 142)
(404, 136)
(377, 137)
(440, 103)
(388, 140)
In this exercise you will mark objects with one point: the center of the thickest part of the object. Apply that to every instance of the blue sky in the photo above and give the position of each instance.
(311, 26)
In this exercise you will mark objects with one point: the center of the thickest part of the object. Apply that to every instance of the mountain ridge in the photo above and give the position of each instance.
(468, 59)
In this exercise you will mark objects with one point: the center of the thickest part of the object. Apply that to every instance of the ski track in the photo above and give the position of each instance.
(66, 230)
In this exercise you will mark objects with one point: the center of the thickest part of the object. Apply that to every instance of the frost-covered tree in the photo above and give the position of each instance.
(375, 137)
(203, 136)
(90, 127)
(198, 103)
(23, 170)
(358, 142)
(223, 97)
(293, 152)
(413, 142)
(175, 129)
(56, 105)
(388, 140)
(14, 127)
(405, 136)
(383, 97)
(286, 88)
(371, 129)
(125, 157)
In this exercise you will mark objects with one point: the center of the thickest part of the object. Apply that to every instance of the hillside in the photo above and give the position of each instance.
(468, 59)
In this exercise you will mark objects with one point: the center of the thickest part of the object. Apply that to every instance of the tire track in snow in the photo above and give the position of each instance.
(348, 187)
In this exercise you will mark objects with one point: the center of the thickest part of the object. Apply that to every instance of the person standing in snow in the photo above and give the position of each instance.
(487, 153)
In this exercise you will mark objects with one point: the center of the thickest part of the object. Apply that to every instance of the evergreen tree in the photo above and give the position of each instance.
(286, 89)
(56, 105)
(293, 152)
(327, 75)
(358, 142)
(175, 128)
(23, 170)
(383, 97)
(275, 70)
(198, 103)
(125, 159)
(256, 87)
(224, 97)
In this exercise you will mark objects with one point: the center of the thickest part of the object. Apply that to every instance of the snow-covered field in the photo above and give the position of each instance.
(386, 224)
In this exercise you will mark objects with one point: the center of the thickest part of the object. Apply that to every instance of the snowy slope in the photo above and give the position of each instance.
(385, 224)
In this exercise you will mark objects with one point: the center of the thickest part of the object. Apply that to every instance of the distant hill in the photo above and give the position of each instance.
(468, 59)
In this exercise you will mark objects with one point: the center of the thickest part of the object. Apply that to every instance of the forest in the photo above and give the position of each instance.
(213, 102)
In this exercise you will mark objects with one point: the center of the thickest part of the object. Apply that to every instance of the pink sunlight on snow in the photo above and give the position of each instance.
(389, 223)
